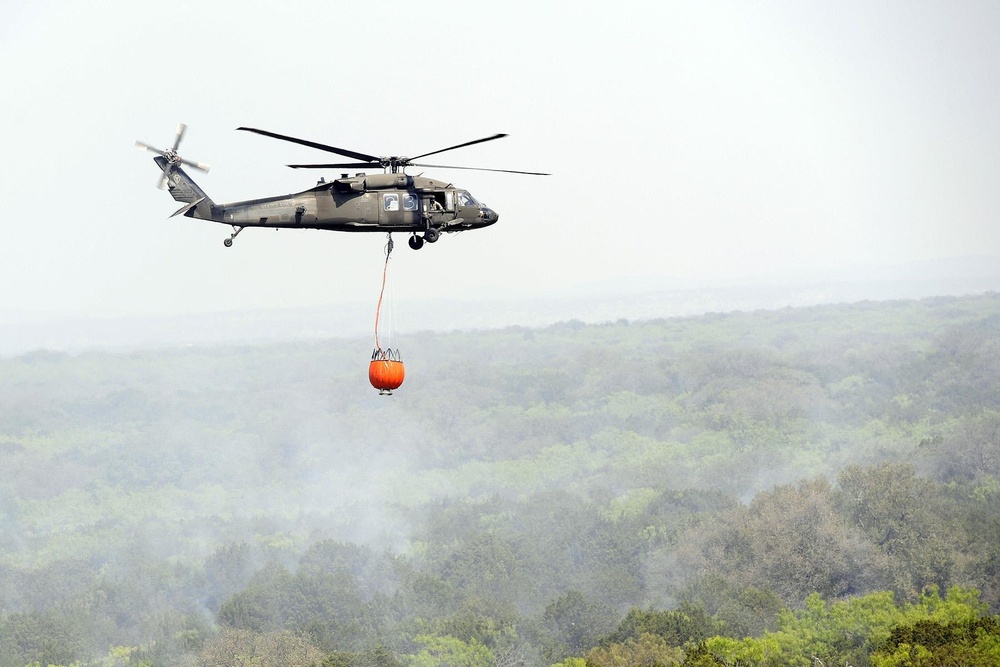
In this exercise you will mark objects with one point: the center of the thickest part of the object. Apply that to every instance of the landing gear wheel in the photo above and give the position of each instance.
(432, 235)
(236, 232)
(416, 242)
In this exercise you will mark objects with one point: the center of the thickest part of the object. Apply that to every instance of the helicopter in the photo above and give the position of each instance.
(391, 201)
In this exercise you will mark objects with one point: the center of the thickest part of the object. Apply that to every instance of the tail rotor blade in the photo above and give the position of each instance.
(196, 165)
(162, 183)
(181, 128)
(143, 146)
(171, 157)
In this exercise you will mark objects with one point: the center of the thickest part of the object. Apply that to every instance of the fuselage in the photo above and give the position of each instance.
(361, 203)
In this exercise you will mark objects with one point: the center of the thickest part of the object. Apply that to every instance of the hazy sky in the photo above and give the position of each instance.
(693, 140)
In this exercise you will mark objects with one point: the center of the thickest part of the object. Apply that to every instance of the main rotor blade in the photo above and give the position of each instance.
(504, 171)
(467, 143)
(340, 165)
(312, 144)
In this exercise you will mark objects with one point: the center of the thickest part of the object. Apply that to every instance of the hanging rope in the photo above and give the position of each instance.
(385, 371)
(378, 309)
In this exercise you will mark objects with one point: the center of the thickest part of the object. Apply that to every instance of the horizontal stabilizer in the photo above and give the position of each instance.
(183, 210)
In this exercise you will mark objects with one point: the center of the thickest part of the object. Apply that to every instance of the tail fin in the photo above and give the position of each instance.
(183, 189)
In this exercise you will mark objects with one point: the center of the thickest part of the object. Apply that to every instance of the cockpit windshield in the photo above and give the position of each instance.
(465, 199)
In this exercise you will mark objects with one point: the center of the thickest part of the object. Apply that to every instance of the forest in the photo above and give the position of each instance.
(800, 487)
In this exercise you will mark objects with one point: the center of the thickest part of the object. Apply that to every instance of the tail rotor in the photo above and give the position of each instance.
(172, 156)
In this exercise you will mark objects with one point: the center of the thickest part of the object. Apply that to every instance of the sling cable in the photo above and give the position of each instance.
(385, 371)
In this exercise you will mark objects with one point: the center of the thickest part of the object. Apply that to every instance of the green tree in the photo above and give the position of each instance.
(245, 648)
(647, 650)
(379, 656)
(689, 623)
(743, 611)
(571, 662)
(728, 652)
(124, 656)
(227, 571)
(838, 632)
(928, 643)
(486, 565)
(437, 651)
(970, 452)
(48, 638)
(486, 620)
(573, 623)
(790, 540)
(906, 518)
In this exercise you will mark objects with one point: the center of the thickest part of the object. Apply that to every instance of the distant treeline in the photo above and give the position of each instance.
(797, 487)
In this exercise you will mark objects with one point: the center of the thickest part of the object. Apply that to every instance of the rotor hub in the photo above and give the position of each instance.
(172, 157)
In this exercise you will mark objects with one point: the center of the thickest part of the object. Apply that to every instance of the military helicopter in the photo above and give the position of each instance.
(390, 201)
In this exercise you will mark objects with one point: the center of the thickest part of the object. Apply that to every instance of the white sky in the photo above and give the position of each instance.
(691, 140)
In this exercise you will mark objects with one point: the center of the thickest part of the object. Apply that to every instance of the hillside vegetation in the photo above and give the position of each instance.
(795, 487)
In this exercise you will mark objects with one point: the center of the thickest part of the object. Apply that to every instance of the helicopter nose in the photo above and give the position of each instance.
(489, 216)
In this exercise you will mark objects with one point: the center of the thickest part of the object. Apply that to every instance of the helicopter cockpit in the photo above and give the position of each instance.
(486, 215)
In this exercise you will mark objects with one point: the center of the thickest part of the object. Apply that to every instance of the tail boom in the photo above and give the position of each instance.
(183, 189)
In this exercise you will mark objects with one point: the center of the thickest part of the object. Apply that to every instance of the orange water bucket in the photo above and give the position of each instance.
(386, 371)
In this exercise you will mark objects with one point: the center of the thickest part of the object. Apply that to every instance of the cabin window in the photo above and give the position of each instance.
(465, 199)
(390, 202)
(409, 202)
(436, 202)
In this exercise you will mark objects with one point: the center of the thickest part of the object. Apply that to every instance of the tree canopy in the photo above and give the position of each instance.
(756, 488)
